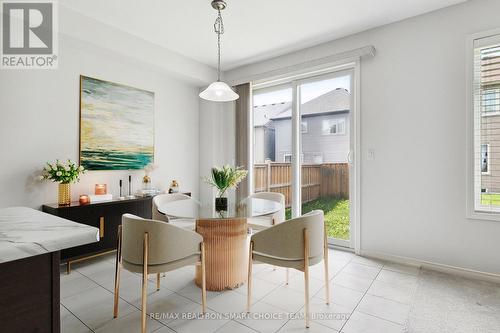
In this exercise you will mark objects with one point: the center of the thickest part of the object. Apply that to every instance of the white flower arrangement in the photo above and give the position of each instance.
(60, 173)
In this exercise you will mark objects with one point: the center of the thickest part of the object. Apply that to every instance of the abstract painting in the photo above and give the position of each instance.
(116, 126)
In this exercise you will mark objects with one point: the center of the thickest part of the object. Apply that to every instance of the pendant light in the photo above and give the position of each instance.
(219, 91)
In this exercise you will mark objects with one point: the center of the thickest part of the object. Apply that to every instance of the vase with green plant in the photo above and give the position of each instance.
(64, 174)
(223, 179)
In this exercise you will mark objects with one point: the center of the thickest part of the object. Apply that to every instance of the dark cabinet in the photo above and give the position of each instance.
(106, 216)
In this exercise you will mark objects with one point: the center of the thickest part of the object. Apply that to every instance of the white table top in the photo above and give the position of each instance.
(26, 232)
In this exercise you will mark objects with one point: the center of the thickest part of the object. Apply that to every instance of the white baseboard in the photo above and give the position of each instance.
(464, 272)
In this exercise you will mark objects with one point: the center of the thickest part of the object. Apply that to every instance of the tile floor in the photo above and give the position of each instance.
(367, 296)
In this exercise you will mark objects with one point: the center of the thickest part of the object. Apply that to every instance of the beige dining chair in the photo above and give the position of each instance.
(297, 243)
(161, 200)
(266, 221)
(149, 247)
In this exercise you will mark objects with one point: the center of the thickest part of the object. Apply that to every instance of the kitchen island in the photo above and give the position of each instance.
(30, 244)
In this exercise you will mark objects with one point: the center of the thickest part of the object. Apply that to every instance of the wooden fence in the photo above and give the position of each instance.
(318, 180)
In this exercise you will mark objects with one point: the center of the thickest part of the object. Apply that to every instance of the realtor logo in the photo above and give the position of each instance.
(29, 36)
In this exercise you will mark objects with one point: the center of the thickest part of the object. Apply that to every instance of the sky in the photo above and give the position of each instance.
(309, 91)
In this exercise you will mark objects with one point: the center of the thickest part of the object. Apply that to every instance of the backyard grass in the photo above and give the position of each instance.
(490, 199)
(336, 215)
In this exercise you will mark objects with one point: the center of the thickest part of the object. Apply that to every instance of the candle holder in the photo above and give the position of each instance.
(84, 199)
(100, 189)
(121, 191)
(130, 196)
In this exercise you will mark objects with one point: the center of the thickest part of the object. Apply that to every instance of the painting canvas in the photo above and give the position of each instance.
(116, 126)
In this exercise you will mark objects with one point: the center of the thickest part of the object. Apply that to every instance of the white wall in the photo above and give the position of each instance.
(217, 144)
(413, 115)
(39, 116)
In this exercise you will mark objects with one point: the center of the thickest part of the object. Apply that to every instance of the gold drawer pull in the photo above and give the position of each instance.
(101, 227)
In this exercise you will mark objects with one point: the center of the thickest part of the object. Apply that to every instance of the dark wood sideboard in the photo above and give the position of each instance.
(106, 216)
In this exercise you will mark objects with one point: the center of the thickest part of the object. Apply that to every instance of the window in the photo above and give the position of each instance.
(333, 126)
(303, 127)
(490, 101)
(485, 159)
(317, 158)
(486, 106)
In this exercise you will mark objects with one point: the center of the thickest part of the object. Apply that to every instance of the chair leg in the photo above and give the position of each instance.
(287, 276)
(249, 282)
(306, 275)
(144, 281)
(117, 271)
(325, 258)
(203, 280)
(157, 281)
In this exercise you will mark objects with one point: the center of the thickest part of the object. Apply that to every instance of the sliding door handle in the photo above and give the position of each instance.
(349, 157)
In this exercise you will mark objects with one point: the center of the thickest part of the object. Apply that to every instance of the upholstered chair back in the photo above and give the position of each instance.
(167, 242)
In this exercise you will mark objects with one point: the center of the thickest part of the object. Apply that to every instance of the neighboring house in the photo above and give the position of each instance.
(325, 129)
(264, 133)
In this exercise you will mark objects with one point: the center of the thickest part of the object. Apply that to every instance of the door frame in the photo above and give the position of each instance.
(352, 65)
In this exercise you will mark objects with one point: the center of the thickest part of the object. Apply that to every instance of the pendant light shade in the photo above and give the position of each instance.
(219, 91)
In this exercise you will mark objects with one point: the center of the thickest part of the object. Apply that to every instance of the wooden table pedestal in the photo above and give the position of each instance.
(226, 249)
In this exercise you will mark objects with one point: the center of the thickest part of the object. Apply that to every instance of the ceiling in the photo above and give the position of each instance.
(255, 29)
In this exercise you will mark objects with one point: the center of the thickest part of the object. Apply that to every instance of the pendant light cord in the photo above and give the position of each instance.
(219, 30)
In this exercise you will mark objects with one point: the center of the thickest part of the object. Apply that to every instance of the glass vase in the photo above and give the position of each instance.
(64, 194)
(221, 204)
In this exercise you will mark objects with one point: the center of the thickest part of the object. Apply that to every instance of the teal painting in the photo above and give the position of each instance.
(116, 126)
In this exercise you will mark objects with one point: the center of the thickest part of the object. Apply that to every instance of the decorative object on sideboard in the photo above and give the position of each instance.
(84, 199)
(219, 91)
(100, 189)
(64, 174)
(174, 187)
(146, 180)
(100, 197)
(223, 179)
(121, 191)
(64, 194)
(147, 193)
(116, 126)
(130, 196)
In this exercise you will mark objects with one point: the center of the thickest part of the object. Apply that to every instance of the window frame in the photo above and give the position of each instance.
(471, 127)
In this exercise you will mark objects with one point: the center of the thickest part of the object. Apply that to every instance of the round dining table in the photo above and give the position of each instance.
(225, 234)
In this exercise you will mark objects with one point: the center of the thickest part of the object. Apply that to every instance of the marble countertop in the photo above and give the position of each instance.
(26, 232)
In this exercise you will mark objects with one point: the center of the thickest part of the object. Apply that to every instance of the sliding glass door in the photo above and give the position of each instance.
(324, 111)
(303, 147)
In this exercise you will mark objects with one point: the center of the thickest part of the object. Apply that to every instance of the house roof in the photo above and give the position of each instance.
(262, 114)
(335, 101)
